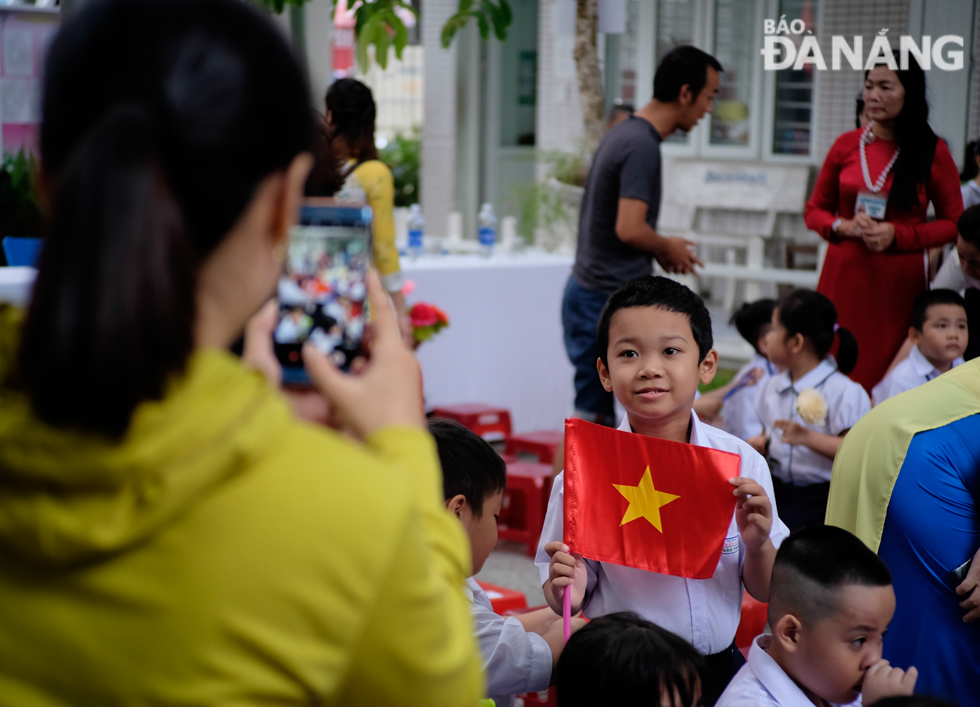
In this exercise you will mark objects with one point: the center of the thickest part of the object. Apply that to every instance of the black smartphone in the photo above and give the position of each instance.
(323, 289)
(958, 575)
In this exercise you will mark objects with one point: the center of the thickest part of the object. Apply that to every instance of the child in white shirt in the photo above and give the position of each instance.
(654, 338)
(808, 407)
(753, 321)
(519, 653)
(830, 602)
(939, 336)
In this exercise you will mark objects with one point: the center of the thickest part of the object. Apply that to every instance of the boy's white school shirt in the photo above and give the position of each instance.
(762, 683)
(910, 373)
(739, 412)
(951, 275)
(704, 612)
(514, 660)
(847, 402)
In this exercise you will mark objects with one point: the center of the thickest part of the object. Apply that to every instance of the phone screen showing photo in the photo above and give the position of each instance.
(323, 289)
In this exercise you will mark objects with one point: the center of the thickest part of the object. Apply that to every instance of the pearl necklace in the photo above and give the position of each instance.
(867, 137)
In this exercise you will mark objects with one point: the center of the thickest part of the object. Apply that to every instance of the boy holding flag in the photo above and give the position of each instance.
(670, 521)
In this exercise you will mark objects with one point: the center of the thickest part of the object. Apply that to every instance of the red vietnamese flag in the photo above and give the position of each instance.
(645, 502)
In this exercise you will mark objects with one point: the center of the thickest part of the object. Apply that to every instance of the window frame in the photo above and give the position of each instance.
(763, 105)
(735, 152)
(769, 107)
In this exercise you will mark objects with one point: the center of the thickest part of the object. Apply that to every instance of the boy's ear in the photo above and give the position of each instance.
(787, 632)
(796, 343)
(709, 367)
(455, 504)
(604, 375)
(915, 336)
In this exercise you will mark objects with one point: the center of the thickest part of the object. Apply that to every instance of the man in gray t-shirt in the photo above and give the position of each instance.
(617, 238)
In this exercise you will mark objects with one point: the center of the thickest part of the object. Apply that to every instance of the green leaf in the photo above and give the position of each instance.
(400, 39)
(481, 20)
(453, 25)
(381, 43)
(363, 42)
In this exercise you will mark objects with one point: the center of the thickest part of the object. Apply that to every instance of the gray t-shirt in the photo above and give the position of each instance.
(626, 166)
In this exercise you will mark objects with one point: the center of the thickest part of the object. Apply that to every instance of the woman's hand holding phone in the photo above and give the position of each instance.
(307, 403)
(383, 391)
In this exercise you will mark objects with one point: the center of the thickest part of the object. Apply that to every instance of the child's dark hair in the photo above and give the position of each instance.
(812, 564)
(969, 225)
(930, 298)
(352, 114)
(653, 291)
(753, 319)
(620, 659)
(814, 316)
(469, 465)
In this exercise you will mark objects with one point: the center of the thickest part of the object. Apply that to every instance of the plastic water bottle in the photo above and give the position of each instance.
(416, 231)
(488, 230)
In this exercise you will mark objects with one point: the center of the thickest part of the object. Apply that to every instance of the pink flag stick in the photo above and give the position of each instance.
(566, 611)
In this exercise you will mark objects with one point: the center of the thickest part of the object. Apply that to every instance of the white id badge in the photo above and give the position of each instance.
(873, 205)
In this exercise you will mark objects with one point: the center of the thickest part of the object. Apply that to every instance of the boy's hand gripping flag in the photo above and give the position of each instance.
(648, 503)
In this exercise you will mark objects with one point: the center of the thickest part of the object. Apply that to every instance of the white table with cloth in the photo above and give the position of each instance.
(504, 344)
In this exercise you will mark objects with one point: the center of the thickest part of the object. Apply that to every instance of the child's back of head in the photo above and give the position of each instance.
(473, 481)
(830, 602)
(620, 659)
(813, 316)
(753, 320)
(968, 226)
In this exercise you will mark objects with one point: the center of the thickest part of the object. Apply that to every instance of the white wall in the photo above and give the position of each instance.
(438, 176)
(559, 116)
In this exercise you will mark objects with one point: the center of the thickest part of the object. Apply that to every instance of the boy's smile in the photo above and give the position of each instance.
(654, 369)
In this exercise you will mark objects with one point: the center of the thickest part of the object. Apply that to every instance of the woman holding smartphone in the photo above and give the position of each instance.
(169, 532)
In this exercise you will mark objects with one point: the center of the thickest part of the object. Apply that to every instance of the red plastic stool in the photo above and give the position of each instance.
(489, 422)
(503, 599)
(543, 444)
(541, 699)
(752, 623)
(508, 458)
(525, 503)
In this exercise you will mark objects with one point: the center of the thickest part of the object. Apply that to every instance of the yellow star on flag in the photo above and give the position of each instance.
(645, 501)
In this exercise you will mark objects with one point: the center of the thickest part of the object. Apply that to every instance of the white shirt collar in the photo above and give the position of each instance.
(760, 361)
(780, 685)
(812, 379)
(697, 434)
(922, 367)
